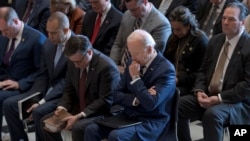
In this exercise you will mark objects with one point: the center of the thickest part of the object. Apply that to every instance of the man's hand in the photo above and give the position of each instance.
(34, 106)
(207, 102)
(9, 84)
(134, 69)
(71, 120)
(152, 90)
(57, 111)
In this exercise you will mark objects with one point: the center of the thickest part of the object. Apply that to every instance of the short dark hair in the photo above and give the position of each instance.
(183, 15)
(77, 43)
(241, 7)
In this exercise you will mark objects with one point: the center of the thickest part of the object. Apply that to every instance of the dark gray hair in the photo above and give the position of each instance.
(241, 7)
(77, 43)
(183, 15)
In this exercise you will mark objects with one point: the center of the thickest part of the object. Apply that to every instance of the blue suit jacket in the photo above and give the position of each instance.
(25, 60)
(49, 75)
(108, 30)
(154, 111)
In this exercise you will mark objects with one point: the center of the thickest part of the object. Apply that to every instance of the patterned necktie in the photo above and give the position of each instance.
(28, 11)
(82, 84)
(208, 28)
(142, 70)
(126, 54)
(8, 54)
(138, 23)
(58, 55)
(215, 86)
(96, 28)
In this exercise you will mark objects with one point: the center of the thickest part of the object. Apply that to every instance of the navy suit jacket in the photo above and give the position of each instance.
(108, 30)
(154, 111)
(236, 83)
(49, 75)
(25, 60)
(102, 77)
(39, 16)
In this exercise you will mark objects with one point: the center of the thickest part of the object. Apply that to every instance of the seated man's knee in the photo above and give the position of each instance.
(113, 136)
(9, 104)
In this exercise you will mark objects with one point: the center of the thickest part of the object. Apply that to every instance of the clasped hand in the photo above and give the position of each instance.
(9, 84)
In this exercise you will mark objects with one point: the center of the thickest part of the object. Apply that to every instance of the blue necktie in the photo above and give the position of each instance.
(58, 54)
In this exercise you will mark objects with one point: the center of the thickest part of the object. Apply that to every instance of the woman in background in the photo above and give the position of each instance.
(185, 47)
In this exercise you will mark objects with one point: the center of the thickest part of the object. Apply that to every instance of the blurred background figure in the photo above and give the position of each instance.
(74, 13)
(34, 13)
(101, 25)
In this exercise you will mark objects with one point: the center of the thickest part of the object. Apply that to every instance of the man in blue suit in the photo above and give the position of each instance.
(50, 81)
(20, 53)
(146, 96)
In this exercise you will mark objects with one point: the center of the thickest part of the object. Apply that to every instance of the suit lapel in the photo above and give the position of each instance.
(91, 71)
(235, 56)
(21, 44)
(106, 23)
(152, 67)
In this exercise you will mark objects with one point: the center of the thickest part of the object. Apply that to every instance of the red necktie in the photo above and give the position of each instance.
(28, 11)
(96, 28)
(82, 82)
(8, 54)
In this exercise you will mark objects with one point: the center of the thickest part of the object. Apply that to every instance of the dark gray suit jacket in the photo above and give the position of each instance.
(49, 75)
(236, 84)
(102, 77)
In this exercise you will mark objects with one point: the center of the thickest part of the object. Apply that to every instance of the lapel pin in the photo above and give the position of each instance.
(23, 39)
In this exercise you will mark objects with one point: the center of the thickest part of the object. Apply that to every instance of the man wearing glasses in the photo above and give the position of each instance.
(90, 77)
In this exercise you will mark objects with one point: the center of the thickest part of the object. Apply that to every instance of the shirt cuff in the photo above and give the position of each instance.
(61, 107)
(220, 99)
(136, 102)
(81, 114)
(134, 80)
(42, 101)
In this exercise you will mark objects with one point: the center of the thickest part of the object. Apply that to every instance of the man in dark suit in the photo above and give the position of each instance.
(19, 55)
(190, 4)
(50, 81)
(111, 18)
(90, 77)
(39, 13)
(145, 93)
(222, 88)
